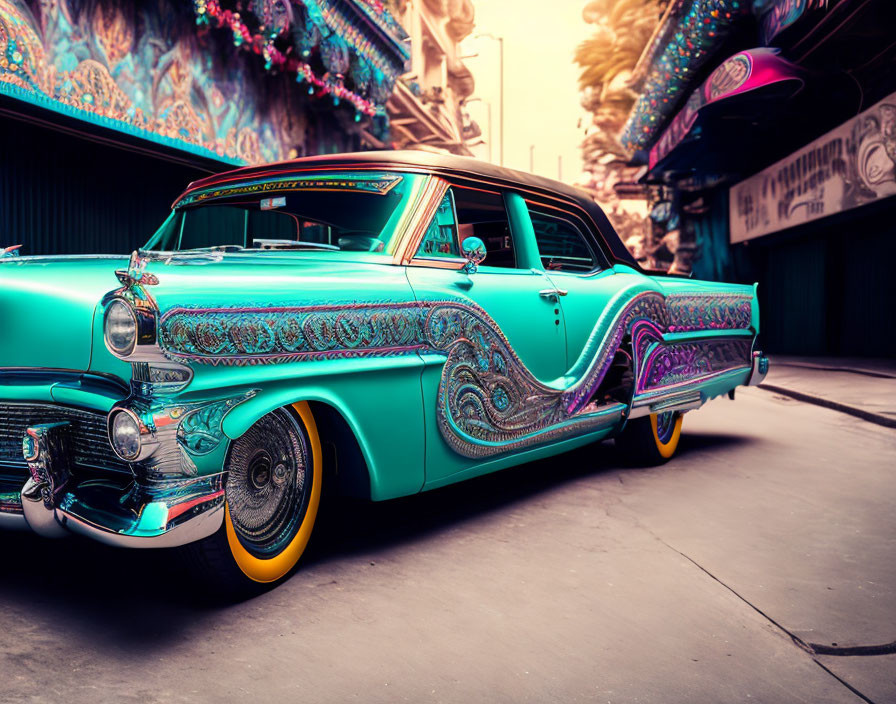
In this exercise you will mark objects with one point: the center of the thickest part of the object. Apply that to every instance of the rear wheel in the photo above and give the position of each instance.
(651, 440)
(272, 496)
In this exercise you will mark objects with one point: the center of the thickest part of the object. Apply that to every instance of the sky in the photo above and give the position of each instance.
(541, 95)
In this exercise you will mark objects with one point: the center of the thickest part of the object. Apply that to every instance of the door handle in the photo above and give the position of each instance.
(553, 293)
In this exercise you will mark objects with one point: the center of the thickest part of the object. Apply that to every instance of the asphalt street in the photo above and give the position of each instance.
(759, 565)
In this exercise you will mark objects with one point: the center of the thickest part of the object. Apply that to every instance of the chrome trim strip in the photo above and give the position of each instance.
(50, 371)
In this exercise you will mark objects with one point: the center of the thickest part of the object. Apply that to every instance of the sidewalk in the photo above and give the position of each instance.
(865, 388)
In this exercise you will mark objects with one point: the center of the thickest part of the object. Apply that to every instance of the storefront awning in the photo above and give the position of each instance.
(723, 108)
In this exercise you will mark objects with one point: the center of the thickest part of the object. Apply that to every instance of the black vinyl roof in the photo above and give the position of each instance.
(447, 165)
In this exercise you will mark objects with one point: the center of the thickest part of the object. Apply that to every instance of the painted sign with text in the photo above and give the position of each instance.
(850, 166)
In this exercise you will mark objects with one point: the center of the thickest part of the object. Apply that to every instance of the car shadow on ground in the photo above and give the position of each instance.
(352, 527)
(143, 597)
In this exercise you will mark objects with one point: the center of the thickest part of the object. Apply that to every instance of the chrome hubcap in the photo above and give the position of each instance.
(267, 485)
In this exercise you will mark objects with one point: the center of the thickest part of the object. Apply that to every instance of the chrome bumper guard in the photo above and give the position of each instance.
(759, 370)
(118, 512)
(150, 523)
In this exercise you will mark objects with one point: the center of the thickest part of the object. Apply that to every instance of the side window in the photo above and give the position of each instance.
(481, 214)
(463, 213)
(561, 245)
(440, 239)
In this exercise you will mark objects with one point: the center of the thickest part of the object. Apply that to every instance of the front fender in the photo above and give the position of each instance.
(382, 406)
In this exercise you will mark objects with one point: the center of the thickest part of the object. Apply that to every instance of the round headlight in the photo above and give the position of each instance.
(120, 328)
(125, 435)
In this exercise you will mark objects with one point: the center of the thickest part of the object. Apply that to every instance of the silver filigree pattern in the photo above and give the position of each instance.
(690, 361)
(699, 311)
(488, 401)
(264, 335)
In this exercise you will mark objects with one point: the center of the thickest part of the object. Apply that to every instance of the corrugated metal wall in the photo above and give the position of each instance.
(828, 288)
(61, 194)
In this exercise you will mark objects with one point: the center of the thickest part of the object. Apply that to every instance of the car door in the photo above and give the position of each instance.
(577, 269)
(509, 286)
(511, 289)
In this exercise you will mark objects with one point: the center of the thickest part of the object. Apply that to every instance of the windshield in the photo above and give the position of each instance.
(357, 212)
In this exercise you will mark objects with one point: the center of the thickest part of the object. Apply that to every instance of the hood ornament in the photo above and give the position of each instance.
(135, 274)
(12, 251)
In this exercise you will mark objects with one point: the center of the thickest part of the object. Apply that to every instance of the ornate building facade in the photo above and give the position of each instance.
(242, 84)
(113, 92)
(426, 106)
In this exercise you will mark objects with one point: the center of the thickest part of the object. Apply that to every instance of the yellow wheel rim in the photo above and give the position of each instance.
(272, 569)
(667, 448)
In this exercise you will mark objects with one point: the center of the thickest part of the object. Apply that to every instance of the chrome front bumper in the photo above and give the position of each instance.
(53, 433)
(113, 508)
(160, 523)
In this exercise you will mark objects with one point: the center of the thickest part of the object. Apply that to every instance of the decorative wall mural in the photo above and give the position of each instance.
(145, 70)
(489, 402)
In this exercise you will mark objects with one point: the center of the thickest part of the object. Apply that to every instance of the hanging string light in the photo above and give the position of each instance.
(263, 43)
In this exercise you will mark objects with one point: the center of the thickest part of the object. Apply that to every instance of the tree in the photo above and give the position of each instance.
(608, 60)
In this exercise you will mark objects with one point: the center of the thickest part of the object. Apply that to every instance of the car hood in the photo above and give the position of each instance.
(50, 313)
(47, 307)
(253, 279)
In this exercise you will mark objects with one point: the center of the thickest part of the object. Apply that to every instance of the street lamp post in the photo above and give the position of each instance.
(500, 40)
(488, 108)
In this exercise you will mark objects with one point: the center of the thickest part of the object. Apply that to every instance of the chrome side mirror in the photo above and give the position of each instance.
(473, 250)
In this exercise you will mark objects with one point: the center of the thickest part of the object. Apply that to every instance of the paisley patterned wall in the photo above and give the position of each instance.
(144, 69)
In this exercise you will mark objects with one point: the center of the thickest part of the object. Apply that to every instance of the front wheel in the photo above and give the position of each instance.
(272, 494)
(651, 440)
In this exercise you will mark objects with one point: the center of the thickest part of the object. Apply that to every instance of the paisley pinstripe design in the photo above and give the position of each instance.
(488, 400)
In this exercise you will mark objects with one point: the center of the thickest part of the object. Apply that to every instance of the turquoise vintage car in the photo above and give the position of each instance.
(383, 323)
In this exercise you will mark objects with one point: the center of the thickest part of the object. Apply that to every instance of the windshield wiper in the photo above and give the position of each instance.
(212, 249)
(270, 244)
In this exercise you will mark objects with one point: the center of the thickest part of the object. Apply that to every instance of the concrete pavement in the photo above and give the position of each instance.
(705, 580)
(865, 388)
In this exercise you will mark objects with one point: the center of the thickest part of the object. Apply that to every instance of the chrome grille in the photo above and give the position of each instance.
(12, 479)
(87, 440)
